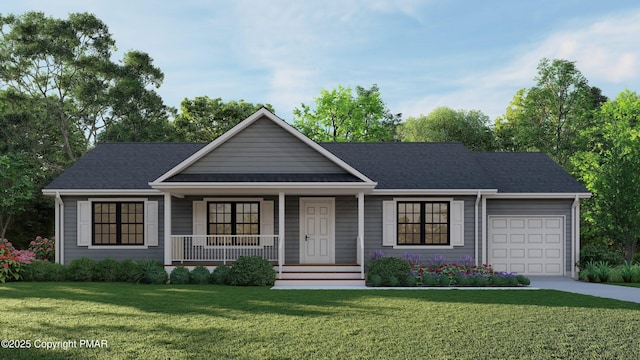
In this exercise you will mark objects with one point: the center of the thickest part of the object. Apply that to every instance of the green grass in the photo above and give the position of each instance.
(222, 322)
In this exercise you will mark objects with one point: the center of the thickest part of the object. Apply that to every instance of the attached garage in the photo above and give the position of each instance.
(530, 245)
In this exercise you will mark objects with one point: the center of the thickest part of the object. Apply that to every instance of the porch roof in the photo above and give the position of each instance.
(263, 178)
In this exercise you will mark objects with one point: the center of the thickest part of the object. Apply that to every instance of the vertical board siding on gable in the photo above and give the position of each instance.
(264, 147)
(373, 232)
(551, 207)
(72, 251)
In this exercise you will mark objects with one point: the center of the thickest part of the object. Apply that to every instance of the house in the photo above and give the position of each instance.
(316, 209)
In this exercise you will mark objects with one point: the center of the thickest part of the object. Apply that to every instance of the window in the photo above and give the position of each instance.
(118, 223)
(423, 223)
(234, 218)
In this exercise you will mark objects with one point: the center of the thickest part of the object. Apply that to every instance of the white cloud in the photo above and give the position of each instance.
(606, 52)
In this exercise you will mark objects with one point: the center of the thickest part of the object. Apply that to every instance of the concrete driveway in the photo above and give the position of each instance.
(580, 287)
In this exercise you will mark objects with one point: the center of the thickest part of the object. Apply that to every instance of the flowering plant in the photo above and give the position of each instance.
(9, 264)
(43, 248)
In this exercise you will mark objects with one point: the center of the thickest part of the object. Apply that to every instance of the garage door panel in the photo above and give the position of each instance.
(499, 239)
(534, 223)
(517, 268)
(553, 239)
(535, 239)
(535, 253)
(517, 254)
(517, 224)
(530, 245)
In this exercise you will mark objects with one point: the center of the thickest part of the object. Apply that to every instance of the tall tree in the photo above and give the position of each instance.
(339, 116)
(203, 119)
(612, 172)
(547, 116)
(17, 187)
(62, 62)
(138, 113)
(445, 124)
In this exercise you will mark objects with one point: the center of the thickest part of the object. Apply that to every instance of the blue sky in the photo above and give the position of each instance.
(422, 54)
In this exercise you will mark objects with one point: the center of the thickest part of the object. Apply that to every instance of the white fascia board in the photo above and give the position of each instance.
(263, 185)
(538, 195)
(100, 192)
(426, 192)
(244, 124)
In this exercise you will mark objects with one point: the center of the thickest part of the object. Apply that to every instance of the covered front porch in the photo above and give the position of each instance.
(305, 229)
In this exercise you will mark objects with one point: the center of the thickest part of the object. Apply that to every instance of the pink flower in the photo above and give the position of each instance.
(32, 243)
(6, 266)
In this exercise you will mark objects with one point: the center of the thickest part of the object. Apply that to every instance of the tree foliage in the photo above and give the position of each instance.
(548, 116)
(611, 171)
(203, 119)
(17, 187)
(444, 124)
(339, 116)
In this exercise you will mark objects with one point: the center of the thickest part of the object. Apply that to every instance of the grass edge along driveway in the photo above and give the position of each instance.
(206, 321)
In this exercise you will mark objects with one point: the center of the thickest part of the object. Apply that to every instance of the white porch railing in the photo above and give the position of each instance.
(223, 248)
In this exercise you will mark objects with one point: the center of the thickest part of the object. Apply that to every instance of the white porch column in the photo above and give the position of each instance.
(281, 232)
(360, 242)
(168, 245)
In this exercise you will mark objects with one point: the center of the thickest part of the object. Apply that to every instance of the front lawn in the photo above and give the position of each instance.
(222, 322)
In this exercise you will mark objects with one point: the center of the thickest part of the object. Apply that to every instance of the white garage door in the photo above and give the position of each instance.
(526, 245)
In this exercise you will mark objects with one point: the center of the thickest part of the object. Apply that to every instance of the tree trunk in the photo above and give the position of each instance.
(4, 225)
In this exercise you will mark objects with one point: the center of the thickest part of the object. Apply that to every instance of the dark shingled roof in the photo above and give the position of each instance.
(391, 165)
(124, 165)
(402, 165)
(527, 173)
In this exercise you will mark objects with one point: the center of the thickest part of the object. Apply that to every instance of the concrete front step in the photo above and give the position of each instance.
(319, 282)
(319, 268)
(322, 275)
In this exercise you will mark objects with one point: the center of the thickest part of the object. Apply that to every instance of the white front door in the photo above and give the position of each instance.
(317, 230)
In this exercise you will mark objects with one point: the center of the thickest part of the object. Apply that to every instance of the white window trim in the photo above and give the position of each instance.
(121, 247)
(422, 247)
(238, 199)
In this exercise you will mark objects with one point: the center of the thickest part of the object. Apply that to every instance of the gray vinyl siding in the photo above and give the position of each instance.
(264, 147)
(373, 233)
(73, 251)
(550, 207)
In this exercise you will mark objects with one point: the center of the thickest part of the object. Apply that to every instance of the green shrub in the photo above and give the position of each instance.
(523, 280)
(430, 279)
(388, 267)
(410, 280)
(107, 270)
(128, 270)
(252, 271)
(598, 252)
(199, 275)
(44, 271)
(221, 275)
(179, 275)
(393, 281)
(81, 269)
(604, 271)
(375, 280)
(444, 280)
(462, 279)
(151, 272)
